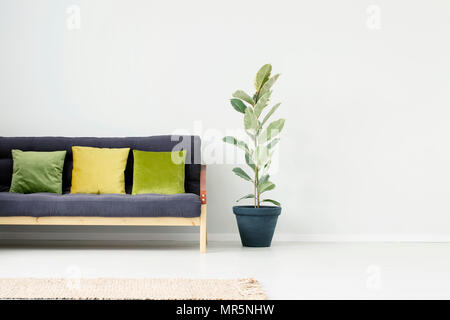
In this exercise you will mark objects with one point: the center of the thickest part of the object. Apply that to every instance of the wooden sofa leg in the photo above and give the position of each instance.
(203, 236)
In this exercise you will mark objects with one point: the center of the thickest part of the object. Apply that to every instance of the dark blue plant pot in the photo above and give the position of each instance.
(256, 225)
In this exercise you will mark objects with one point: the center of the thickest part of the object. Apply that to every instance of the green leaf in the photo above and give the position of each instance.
(249, 161)
(274, 108)
(262, 103)
(250, 121)
(272, 130)
(243, 96)
(266, 87)
(273, 143)
(263, 180)
(241, 173)
(272, 201)
(266, 167)
(266, 186)
(238, 105)
(261, 156)
(252, 136)
(249, 196)
(236, 142)
(262, 76)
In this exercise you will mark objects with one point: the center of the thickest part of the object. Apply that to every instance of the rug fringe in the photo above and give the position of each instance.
(251, 287)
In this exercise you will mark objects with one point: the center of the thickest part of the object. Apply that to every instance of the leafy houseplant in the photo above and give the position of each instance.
(257, 223)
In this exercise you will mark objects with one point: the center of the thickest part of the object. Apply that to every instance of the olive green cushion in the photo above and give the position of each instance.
(37, 171)
(158, 172)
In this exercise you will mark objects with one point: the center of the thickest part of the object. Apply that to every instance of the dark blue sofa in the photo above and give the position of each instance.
(125, 208)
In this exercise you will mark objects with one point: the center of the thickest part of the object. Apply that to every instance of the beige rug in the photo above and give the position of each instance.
(124, 289)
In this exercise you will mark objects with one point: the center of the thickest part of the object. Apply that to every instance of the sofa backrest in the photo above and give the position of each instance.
(156, 143)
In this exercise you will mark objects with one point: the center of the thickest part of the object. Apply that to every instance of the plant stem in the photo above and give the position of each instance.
(256, 167)
(255, 184)
(256, 177)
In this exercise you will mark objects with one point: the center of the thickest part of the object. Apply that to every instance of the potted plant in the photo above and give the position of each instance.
(257, 222)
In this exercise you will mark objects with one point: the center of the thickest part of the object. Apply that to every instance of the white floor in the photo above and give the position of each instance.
(286, 270)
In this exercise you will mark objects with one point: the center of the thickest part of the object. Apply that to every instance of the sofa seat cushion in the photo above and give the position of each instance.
(106, 205)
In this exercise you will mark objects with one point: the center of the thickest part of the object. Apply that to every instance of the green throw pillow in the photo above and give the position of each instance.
(37, 171)
(158, 172)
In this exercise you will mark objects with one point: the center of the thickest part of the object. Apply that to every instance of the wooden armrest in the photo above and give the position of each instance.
(203, 184)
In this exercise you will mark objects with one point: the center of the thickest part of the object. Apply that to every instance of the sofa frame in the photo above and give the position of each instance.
(124, 221)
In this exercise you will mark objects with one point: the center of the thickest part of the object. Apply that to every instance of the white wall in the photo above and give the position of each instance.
(365, 153)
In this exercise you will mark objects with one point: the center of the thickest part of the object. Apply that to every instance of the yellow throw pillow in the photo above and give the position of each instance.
(99, 170)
